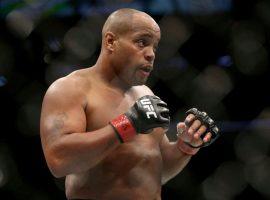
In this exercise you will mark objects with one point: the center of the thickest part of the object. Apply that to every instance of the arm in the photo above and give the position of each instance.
(68, 148)
(174, 160)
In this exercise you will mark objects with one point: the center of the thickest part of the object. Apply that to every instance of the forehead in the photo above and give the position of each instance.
(145, 25)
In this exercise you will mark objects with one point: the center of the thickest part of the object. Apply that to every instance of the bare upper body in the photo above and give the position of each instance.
(77, 140)
(129, 170)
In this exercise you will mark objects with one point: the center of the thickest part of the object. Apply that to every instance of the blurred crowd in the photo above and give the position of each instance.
(213, 55)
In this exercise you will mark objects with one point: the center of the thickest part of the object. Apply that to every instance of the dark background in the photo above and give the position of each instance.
(213, 55)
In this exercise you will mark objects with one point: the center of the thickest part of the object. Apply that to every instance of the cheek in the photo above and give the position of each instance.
(129, 57)
(127, 54)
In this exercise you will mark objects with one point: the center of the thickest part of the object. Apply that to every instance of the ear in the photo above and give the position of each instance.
(110, 39)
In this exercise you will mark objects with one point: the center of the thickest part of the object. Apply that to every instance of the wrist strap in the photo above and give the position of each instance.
(185, 148)
(123, 128)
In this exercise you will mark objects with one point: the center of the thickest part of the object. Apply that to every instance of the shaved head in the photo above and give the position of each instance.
(129, 41)
(125, 20)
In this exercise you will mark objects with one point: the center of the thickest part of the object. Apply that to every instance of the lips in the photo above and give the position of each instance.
(147, 68)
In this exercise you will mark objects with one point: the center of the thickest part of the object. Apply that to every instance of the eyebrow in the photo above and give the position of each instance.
(145, 35)
(148, 35)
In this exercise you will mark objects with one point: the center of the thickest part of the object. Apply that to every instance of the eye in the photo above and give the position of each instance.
(141, 43)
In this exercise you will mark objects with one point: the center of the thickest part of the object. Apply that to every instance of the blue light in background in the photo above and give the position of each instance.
(62, 8)
(201, 7)
(3, 81)
(161, 6)
(225, 61)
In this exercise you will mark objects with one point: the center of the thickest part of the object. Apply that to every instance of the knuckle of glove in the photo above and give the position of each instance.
(192, 111)
(215, 132)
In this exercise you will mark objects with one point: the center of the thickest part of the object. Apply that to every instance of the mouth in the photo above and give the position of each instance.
(145, 71)
(146, 68)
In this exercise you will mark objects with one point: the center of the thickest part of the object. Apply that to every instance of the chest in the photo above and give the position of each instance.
(105, 105)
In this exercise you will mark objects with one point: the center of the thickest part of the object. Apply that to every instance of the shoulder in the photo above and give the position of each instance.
(72, 86)
(142, 90)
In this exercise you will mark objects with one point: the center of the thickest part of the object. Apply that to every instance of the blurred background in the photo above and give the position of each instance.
(214, 55)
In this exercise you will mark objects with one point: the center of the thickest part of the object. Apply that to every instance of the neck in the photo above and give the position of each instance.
(106, 72)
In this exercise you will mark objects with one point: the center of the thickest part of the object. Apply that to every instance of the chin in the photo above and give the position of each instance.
(137, 83)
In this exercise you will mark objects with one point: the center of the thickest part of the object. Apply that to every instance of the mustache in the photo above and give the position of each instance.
(147, 67)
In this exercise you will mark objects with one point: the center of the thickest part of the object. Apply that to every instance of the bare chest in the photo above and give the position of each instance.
(104, 106)
(143, 151)
(133, 165)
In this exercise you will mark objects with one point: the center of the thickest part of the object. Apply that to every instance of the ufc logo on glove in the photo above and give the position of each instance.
(147, 105)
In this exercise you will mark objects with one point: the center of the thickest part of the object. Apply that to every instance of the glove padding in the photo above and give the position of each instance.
(147, 113)
(209, 123)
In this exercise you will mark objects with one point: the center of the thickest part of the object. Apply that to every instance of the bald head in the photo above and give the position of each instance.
(124, 20)
(129, 42)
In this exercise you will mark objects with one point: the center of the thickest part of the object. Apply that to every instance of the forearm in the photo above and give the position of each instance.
(174, 161)
(78, 152)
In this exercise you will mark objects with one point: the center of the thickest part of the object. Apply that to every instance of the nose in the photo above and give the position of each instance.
(149, 54)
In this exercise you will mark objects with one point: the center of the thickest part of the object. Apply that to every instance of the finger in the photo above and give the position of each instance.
(196, 143)
(215, 130)
(210, 122)
(164, 110)
(189, 119)
(180, 128)
(165, 120)
(162, 103)
(207, 137)
(181, 132)
(200, 131)
(194, 127)
(165, 114)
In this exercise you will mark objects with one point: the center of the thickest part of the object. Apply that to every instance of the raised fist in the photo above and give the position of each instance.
(147, 113)
(198, 130)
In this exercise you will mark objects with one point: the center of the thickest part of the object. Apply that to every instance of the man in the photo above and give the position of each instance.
(104, 130)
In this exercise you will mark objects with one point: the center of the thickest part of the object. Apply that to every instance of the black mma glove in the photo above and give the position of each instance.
(147, 113)
(208, 122)
(190, 149)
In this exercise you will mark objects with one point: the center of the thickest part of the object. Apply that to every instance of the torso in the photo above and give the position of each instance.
(133, 169)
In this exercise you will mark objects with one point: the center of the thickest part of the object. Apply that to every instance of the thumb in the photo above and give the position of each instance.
(180, 128)
(181, 132)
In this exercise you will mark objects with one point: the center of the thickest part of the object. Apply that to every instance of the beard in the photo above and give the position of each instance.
(133, 76)
(137, 78)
